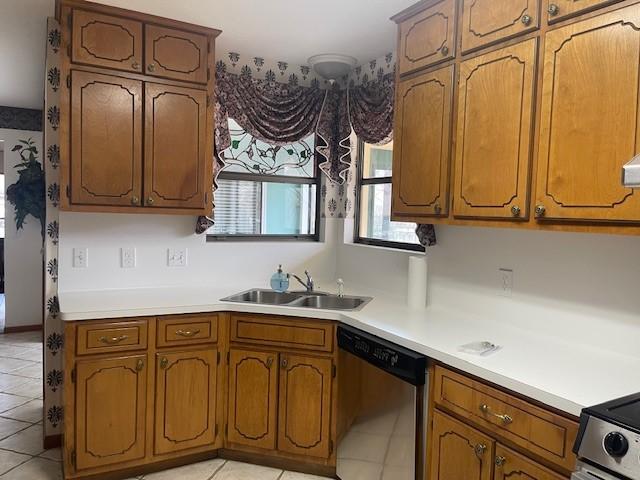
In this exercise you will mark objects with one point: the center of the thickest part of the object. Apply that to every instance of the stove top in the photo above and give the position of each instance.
(609, 436)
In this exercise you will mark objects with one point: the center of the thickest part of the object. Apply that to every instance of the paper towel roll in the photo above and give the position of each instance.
(417, 284)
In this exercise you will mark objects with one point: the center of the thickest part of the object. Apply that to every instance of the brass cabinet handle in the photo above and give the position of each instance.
(150, 201)
(500, 460)
(540, 211)
(187, 333)
(553, 9)
(437, 209)
(113, 340)
(151, 67)
(164, 362)
(515, 211)
(480, 449)
(139, 365)
(269, 362)
(526, 19)
(284, 363)
(135, 200)
(444, 50)
(135, 65)
(506, 419)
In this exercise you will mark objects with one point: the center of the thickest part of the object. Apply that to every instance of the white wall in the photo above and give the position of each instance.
(22, 249)
(575, 285)
(233, 263)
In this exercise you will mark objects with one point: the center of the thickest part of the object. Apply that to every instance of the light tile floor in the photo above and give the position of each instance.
(21, 454)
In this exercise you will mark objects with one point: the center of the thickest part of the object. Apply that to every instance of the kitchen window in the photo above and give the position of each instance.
(373, 199)
(266, 191)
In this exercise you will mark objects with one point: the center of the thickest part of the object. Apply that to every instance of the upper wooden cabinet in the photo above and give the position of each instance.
(590, 119)
(105, 140)
(136, 119)
(106, 41)
(422, 145)
(186, 385)
(110, 397)
(305, 405)
(561, 9)
(494, 133)
(177, 153)
(488, 21)
(427, 37)
(459, 451)
(176, 54)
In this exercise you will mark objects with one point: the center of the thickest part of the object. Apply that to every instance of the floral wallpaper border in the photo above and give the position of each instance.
(53, 330)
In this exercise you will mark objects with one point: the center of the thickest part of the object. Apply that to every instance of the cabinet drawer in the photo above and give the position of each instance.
(428, 37)
(539, 431)
(283, 332)
(112, 337)
(187, 330)
(561, 9)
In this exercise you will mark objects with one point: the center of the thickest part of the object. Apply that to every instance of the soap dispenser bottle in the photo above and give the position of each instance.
(280, 281)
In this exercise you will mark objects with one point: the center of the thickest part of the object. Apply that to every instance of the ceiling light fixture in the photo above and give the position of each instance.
(332, 66)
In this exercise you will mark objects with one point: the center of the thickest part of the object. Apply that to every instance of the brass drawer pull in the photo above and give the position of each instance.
(480, 449)
(526, 20)
(500, 460)
(515, 211)
(506, 419)
(187, 333)
(113, 340)
(135, 200)
(135, 65)
(553, 10)
(444, 50)
(540, 211)
(151, 67)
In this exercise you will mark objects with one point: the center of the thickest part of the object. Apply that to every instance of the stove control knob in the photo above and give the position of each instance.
(616, 444)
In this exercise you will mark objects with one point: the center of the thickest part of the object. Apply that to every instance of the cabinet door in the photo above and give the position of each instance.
(589, 120)
(185, 400)
(253, 401)
(488, 21)
(459, 451)
(561, 9)
(305, 405)
(176, 147)
(106, 41)
(494, 133)
(110, 422)
(513, 466)
(106, 140)
(422, 146)
(176, 54)
(428, 37)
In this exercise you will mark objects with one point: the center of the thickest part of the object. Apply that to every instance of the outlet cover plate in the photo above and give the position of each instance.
(505, 286)
(80, 257)
(128, 257)
(177, 257)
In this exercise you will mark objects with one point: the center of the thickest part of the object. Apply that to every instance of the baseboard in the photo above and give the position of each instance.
(22, 328)
(52, 441)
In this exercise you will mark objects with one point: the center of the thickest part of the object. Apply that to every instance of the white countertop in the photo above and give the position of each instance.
(551, 370)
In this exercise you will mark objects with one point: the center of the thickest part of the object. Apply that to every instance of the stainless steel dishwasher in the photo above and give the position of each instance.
(383, 409)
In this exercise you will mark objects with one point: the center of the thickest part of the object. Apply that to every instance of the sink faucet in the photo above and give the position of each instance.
(308, 285)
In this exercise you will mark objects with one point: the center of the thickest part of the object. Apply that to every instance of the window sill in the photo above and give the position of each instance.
(385, 248)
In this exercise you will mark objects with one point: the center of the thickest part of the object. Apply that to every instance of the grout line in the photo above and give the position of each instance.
(31, 457)
(224, 462)
(280, 476)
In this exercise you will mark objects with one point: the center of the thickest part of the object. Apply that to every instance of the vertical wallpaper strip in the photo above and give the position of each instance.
(53, 331)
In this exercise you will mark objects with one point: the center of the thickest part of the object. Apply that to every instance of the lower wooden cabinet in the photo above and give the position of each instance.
(459, 451)
(253, 403)
(513, 466)
(186, 386)
(305, 405)
(111, 399)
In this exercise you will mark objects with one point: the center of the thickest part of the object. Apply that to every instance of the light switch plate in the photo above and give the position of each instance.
(177, 257)
(505, 287)
(80, 257)
(128, 257)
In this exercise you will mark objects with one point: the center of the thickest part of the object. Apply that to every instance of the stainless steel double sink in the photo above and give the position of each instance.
(319, 300)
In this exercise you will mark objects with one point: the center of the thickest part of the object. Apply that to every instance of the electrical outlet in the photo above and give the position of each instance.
(177, 257)
(505, 288)
(128, 257)
(80, 257)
